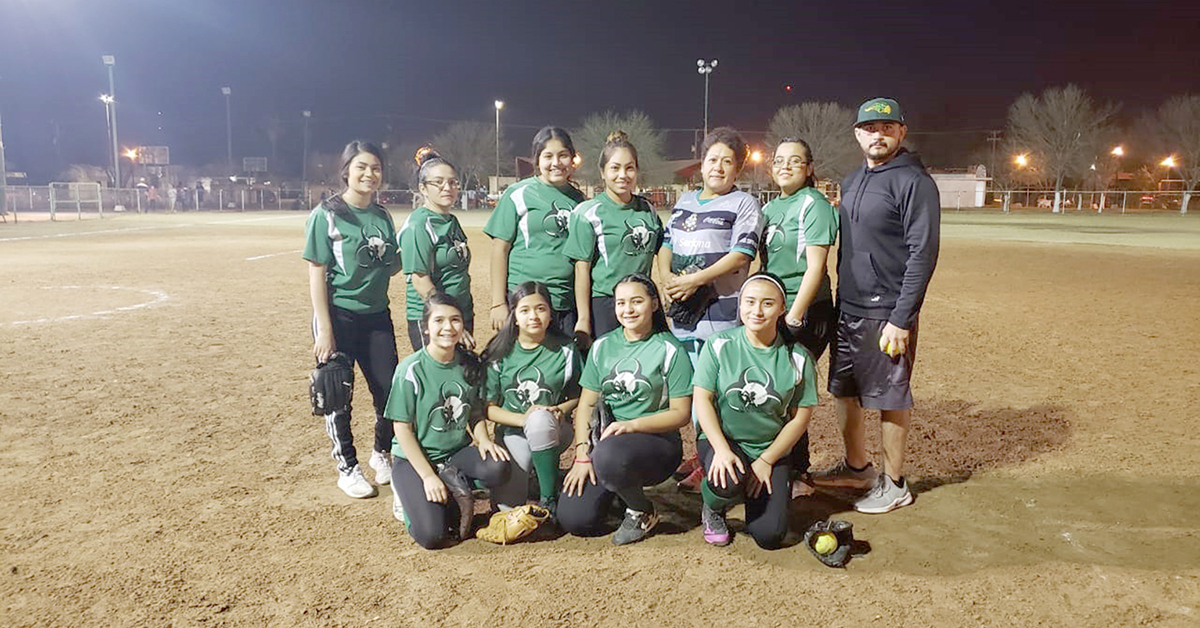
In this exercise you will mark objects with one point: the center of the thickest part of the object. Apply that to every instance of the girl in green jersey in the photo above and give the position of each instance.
(613, 235)
(437, 406)
(754, 394)
(529, 230)
(532, 386)
(350, 246)
(642, 376)
(433, 248)
(801, 225)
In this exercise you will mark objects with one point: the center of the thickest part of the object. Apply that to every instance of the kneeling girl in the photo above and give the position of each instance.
(532, 385)
(754, 392)
(436, 405)
(644, 377)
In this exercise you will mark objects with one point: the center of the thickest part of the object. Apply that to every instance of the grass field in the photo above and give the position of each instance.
(161, 468)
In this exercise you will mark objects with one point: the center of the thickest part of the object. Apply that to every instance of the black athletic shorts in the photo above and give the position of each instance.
(857, 368)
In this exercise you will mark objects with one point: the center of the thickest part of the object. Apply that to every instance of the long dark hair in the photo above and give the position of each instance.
(547, 133)
(658, 320)
(335, 203)
(781, 327)
(808, 155)
(503, 342)
(472, 367)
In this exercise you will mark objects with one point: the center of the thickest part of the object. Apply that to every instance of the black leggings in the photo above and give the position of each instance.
(604, 315)
(766, 515)
(623, 464)
(820, 325)
(429, 522)
(369, 340)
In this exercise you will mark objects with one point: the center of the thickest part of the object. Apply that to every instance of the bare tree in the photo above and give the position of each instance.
(471, 146)
(1062, 130)
(828, 128)
(1175, 130)
(643, 134)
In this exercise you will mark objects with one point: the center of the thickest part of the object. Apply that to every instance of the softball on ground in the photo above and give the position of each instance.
(825, 544)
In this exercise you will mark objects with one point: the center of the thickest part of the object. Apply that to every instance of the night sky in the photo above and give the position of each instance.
(405, 70)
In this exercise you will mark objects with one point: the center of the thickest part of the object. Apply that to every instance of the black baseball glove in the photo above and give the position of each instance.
(687, 313)
(459, 486)
(830, 542)
(332, 385)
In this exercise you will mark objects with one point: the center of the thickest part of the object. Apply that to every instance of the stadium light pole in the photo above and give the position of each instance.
(107, 99)
(3, 175)
(228, 129)
(499, 105)
(307, 117)
(110, 61)
(706, 68)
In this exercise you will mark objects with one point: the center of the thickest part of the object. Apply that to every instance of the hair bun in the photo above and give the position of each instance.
(616, 136)
(424, 154)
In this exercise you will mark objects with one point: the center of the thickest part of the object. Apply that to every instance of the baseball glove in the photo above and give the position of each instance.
(332, 385)
(602, 416)
(687, 313)
(830, 542)
(459, 487)
(513, 525)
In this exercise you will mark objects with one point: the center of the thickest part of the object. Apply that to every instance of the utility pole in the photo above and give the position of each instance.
(307, 117)
(110, 61)
(706, 68)
(993, 139)
(228, 129)
(3, 175)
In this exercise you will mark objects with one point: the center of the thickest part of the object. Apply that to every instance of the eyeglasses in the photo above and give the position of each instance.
(454, 184)
(791, 162)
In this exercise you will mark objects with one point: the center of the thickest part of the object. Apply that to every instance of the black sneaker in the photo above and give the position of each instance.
(635, 527)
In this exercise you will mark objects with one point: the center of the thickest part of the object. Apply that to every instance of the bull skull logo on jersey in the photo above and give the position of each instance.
(450, 412)
(460, 249)
(773, 236)
(623, 384)
(638, 238)
(529, 392)
(557, 220)
(753, 391)
(375, 248)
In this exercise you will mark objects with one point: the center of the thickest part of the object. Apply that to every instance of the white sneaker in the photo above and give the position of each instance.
(381, 462)
(355, 485)
(885, 496)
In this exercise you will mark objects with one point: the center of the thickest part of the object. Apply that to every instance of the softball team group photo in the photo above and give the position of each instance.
(618, 341)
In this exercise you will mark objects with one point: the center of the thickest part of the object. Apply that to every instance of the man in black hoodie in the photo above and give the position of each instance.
(890, 217)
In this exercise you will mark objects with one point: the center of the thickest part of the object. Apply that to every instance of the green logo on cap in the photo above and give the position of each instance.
(879, 107)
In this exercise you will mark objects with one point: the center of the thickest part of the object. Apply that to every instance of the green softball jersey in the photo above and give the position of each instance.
(616, 238)
(535, 217)
(792, 223)
(437, 401)
(638, 378)
(434, 244)
(546, 375)
(359, 253)
(755, 390)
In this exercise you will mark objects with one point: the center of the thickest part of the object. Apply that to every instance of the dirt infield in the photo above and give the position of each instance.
(160, 467)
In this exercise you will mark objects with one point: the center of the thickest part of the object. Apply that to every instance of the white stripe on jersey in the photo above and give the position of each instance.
(798, 362)
(335, 241)
(590, 210)
(801, 242)
(518, 199)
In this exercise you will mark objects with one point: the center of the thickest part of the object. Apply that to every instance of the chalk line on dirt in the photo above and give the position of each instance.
(159, 297)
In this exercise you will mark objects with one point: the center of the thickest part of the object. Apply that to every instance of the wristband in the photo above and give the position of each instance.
(583, 461)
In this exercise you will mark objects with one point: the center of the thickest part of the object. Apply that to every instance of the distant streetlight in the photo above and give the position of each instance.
(706, 68)
(110, 61)
(228, 128)
(1169, 162)
(756, 157)
(1118, 151)
(307, 117)
(1021, 160)
(499, 105)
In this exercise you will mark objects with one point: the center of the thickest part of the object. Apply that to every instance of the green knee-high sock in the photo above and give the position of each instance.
(545, 465)
(712, 500)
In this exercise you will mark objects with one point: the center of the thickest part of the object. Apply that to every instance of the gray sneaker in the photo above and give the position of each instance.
(635, 527)
(716, 530)
(841, 475)
(885, 496)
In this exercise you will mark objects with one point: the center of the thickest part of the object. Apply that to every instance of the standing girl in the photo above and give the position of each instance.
(613, 235)
(532, 385)
(350, 246)
(711, 238)
(529, 230)
(643, 376)
(433, 248)
(437, 407)
(801, 225)
(754, 397)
